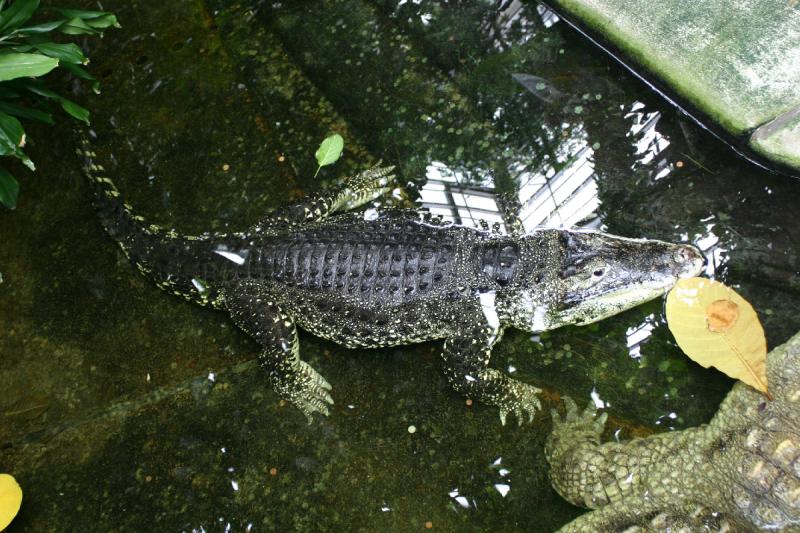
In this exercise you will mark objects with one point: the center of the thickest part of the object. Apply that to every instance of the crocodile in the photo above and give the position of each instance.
(385, 278)
(739, 472)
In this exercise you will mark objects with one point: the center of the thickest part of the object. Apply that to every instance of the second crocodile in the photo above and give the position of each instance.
(739, 472)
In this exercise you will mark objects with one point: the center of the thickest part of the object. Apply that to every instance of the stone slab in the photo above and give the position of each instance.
(780, 139)
(736, 61)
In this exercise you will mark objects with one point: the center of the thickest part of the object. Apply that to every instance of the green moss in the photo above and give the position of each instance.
(780, 139)
(736, 62)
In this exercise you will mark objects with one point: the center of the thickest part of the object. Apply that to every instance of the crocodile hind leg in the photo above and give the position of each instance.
(257, 313)
(354, 192)
(466, 356)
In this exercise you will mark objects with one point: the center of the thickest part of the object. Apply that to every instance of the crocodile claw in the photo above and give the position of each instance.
(574, 417)
(306, 389)
(521, 401)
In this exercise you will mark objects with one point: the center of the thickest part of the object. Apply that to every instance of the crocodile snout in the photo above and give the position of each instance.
(689, 260)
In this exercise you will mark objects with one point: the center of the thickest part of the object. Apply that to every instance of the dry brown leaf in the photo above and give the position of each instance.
(716, 327)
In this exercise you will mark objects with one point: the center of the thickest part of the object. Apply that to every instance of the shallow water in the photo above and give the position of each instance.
(123, 408)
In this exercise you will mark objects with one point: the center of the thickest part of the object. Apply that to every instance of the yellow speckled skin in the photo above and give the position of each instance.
(373, 279)
(741, 471)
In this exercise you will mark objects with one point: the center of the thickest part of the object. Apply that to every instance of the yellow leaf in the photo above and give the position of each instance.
(716, 327)
(10, 499)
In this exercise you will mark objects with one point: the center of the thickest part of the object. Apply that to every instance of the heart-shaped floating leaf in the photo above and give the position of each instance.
(329, 151)
(716, 327)
(10, 499)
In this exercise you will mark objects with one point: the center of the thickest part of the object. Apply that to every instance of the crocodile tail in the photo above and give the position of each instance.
(129, 230)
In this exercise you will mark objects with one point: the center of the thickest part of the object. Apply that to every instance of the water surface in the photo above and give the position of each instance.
(126, 409)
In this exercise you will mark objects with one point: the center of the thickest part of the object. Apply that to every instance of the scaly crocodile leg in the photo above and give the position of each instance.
(466, 364)
(259, 315)
(354, 192)
(591, 474)
(510, 209)
(638, 511)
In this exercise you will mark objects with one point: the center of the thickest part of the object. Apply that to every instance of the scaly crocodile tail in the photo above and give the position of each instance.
(130, 231)
(178, 264)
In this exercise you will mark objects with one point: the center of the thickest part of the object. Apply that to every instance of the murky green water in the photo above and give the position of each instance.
(123, 408)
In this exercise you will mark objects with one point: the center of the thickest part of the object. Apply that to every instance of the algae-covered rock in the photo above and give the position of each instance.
(780, 139)
(736, 62)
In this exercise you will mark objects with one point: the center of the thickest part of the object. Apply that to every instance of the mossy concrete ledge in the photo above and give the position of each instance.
(737, 61)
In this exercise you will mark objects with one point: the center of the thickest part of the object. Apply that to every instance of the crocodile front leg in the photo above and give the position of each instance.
(354, 192)
(639, 514)
(466, 356)
(594, 475)
(259, 315)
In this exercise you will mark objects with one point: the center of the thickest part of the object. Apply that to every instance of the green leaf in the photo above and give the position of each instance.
(44, 27)
(38, 88)
(87, 21)
(17, 14)
(68, 53)
(12, 139)
(81, 113)
(9, 189)
(106, 21)
(12, 136)
(329, 151)
(26, 112)
(25, 65)
(81, 73)
(77, 26)
(81, 14)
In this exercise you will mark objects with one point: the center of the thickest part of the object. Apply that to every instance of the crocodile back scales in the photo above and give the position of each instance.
(383, 261)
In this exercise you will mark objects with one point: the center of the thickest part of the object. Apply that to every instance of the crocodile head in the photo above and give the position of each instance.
(580, 277)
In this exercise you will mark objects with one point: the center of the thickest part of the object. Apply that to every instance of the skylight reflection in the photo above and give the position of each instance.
(565, 198)
(443, 195)
(647, 140)
(638, 335)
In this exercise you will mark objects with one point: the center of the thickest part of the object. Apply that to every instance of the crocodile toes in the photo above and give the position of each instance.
(307, 390)
(574, 418)
(523, 401)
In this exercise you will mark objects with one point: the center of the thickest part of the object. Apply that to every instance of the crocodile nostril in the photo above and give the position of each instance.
(691, 259)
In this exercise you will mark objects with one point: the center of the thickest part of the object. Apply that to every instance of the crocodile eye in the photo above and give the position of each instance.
(599, 273)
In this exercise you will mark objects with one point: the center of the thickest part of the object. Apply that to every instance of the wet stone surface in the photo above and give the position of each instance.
(124, 408)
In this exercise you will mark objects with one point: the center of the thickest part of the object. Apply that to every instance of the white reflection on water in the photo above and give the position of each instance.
(548, 198)
(459, 499)
(637, 335)
(598, 402)
(561, 199)
(502, 488)
(649, 142)
(443, 195)
(709, 243)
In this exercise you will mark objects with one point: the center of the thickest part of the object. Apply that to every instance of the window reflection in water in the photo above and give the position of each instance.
(559, 199)
(443, 195)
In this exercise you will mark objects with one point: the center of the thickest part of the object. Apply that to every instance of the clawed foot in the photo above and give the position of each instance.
(306, 389)
(571, 430)
(520, 400)
(586, 420)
